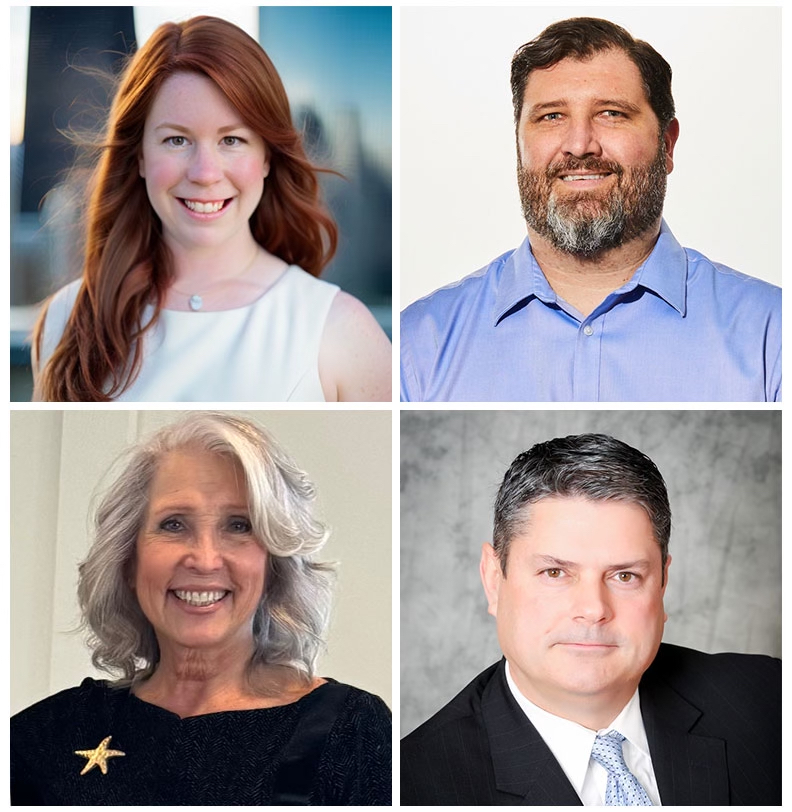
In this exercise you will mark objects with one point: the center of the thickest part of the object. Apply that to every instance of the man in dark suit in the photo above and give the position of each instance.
(587, 706)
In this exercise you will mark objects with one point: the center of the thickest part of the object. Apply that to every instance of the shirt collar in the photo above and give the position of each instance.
(630, 724)
(570, 742)
(521, 279)
(664, 273)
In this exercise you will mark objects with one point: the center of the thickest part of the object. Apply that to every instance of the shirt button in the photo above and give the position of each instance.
(588, 329)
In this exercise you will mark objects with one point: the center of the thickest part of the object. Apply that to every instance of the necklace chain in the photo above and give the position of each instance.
(195, 300)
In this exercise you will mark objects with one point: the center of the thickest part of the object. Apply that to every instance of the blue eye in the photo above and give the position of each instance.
(176, 140)
(238, 524)
(172, 525)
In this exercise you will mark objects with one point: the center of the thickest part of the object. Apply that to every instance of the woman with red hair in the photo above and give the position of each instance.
(205, 237)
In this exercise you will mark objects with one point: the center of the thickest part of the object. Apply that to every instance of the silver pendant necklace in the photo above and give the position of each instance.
(196, 302)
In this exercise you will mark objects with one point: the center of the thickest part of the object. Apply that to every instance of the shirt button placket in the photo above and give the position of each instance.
(587, 361)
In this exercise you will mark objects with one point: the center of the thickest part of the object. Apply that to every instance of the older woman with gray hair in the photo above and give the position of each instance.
(201, 590)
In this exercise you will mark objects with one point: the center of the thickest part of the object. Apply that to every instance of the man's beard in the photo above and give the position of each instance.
(588, 223)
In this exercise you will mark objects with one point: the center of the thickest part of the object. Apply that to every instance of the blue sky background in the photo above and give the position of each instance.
(335, 58)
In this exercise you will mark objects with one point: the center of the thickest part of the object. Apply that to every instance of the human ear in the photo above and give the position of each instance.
(491, 576)
(665, 584)
(669, 142)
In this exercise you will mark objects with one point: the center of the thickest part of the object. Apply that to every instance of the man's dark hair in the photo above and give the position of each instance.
(593, 466)
(581, 38)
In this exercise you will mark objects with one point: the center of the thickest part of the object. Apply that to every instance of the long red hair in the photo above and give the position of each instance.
(127, 265)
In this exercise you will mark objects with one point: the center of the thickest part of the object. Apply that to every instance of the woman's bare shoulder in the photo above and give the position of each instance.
(355, 355)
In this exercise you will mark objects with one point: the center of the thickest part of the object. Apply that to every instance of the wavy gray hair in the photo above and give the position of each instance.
(290, 623)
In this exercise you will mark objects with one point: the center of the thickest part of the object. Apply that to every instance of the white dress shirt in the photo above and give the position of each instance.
(571, 745)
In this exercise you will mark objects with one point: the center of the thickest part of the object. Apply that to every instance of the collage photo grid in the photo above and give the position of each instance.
(395, 410)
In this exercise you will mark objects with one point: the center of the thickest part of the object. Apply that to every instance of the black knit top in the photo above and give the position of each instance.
(333, 746)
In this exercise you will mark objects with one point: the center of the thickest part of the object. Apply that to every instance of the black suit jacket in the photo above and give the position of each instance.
(713, 722)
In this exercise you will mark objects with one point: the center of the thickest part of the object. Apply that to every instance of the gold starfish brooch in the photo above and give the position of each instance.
(98, 756)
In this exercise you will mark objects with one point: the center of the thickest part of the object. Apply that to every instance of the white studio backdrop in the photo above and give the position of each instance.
(58, 458)
(459, 202)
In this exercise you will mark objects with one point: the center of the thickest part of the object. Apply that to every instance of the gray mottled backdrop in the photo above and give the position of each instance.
(723, 471)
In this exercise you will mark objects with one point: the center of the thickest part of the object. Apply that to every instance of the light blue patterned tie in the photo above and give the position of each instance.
(623, 788)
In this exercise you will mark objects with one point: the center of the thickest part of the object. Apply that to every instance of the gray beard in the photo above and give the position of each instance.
(585, 224)
(586, 236)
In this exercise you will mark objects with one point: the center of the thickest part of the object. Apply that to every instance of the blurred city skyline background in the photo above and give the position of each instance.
(335, 63)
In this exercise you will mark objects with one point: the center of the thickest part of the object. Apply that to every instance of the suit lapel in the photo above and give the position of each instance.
(523, 763)
(690, 770)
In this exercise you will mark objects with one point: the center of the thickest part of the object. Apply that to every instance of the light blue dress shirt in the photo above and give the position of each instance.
(682, 329)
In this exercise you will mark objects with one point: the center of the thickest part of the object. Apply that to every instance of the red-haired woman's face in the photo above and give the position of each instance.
(204, 167)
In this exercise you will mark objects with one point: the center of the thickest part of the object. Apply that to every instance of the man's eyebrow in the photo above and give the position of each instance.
(542, 106)
(560, 563)
(639, 564)
(622, 104)
(552, 561)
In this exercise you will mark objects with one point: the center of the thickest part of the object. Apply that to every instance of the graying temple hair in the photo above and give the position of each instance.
(594, 466)
(290, 623)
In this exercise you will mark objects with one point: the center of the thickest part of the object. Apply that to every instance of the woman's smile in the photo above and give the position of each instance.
(200, 599)
(202, 164)
(199, 568)
(202, 208)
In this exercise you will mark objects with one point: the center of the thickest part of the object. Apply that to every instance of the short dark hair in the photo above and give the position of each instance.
(594, 466)
(581, 38)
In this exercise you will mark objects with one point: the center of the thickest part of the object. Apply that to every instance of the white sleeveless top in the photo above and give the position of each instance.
(265, 351)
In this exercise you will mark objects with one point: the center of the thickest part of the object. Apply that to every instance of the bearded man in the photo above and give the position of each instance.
(600, 302)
